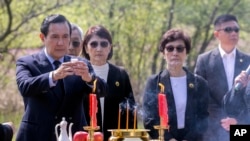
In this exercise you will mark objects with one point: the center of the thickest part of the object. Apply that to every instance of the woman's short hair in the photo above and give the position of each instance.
(99, 31)
(173, 35)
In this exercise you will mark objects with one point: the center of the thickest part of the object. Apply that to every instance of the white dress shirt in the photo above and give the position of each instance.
(179, 87)
(228, 62)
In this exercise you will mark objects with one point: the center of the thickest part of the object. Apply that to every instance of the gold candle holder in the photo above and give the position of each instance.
(161, 131)
(91, 131)
(121, 134)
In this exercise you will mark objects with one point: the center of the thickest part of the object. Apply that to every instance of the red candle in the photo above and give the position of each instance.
(93, 110)
(163, 109)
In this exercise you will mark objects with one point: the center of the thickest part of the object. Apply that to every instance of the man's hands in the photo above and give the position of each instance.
(79, 68)
(242, 78)
(226, 122)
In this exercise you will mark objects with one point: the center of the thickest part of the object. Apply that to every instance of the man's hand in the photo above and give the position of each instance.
(173, 139)
(63, 71)
(80, 68)
(242, 78)
(226, 122)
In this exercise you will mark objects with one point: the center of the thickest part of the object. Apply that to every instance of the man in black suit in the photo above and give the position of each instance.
(219, 67)
(52, 86)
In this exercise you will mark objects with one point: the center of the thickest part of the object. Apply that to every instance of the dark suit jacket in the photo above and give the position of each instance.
(196, 108)
(120, 89)
(210, 67)
(45, 106)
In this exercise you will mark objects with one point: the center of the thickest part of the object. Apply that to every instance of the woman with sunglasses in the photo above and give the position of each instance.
(186, 93)
(97, 47)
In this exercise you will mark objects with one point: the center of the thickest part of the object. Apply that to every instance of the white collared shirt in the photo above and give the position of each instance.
(228, 62)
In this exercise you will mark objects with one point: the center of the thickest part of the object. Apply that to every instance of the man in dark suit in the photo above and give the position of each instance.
(52, 86)
(219, 67)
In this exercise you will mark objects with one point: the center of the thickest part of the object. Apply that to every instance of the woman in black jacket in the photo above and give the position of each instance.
(97, 47)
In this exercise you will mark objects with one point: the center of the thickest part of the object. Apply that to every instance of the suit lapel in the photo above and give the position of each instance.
(239, 63)
(219, 68)
(43, 63)
(191, 88)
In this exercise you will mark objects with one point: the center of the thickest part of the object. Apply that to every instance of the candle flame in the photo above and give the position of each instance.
(94, 86)
(161, 87)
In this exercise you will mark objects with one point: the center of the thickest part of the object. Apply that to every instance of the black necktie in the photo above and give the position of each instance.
(57, 65)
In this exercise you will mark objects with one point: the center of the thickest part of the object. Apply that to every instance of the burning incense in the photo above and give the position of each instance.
(127, 119)
(135, 118)
(119, 117)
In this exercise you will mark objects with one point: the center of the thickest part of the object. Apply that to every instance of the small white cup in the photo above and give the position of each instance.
(73, 59)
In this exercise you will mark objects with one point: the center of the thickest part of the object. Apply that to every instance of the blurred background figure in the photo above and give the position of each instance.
(76, 39)
(6, 131)
(219, 67)
(97, 47)
(186, 93)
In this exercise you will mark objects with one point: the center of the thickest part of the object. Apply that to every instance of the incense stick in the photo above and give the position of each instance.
(127, 115)
(119, 117)
(135, 118)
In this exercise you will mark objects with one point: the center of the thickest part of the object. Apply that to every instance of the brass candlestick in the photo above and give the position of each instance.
(91, 131)
(121, 134)
(161, 131)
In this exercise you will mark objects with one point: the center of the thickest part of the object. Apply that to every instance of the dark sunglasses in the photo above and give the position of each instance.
(75, 44)
(103, 44)
(179, 49)
(230, 29)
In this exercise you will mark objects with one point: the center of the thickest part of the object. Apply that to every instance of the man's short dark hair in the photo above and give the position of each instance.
(224, 18)
(54, 18)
